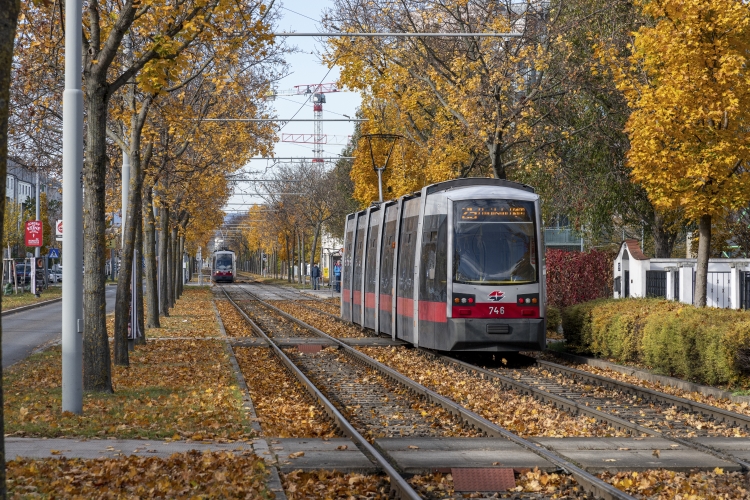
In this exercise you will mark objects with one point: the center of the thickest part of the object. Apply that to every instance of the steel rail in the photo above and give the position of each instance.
(588, 481)
(650, 394)
(568, 405)
(398, 483)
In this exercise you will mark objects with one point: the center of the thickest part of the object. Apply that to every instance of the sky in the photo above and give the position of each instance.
(305, 67)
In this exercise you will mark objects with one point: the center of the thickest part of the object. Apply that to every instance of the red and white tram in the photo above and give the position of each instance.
(223, 266)
(458, 266)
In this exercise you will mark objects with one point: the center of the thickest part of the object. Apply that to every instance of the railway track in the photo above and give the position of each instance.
(621, 405)
(624, 406)
(381, 401)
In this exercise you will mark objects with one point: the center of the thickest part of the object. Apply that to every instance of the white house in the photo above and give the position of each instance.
(638, 276)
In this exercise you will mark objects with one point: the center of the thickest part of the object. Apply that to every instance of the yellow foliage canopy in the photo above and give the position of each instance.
(689, 89)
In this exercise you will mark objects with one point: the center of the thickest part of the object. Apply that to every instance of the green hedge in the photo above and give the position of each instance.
(704, 345)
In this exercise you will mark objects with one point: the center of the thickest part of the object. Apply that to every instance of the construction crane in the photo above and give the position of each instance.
(318, 138)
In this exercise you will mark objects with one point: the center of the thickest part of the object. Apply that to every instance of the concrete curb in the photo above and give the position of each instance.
(260, 446)
(652, 377)
(30, 306)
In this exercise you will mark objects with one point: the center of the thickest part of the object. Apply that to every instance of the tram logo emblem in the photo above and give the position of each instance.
(496, 295)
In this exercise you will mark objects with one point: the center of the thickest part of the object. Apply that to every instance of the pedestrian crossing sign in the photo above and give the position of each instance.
(54, 253)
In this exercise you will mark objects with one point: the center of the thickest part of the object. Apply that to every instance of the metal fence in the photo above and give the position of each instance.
(656, 284)
(744, 289)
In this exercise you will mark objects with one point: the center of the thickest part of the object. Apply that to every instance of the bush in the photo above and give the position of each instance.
(576, 277)
(553, 318)
(700, 344)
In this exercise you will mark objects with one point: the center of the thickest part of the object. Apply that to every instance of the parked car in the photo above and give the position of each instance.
(55, 276)
(23, 273)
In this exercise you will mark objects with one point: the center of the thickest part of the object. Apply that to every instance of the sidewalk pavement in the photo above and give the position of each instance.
(323, 293)
(109, 448)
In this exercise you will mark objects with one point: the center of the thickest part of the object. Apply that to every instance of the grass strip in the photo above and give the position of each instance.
(182, 475)
(174, 389)
(192, 316)
(14, 301)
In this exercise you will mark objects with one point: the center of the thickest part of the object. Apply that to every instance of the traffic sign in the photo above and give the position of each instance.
(54, 253)
(58, 230)
(33, 233)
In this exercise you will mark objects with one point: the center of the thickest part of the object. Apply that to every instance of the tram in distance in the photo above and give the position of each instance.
(223, 266)
(457, 266)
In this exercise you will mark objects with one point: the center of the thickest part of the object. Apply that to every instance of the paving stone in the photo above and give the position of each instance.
(633, 454)
(332, 454)
(737, 447)
(427, 455)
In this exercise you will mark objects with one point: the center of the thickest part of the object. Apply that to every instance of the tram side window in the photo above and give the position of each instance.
(433, 265)
(406, 257)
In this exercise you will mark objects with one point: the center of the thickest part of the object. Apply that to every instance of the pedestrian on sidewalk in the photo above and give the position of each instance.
(337, 275)
(315, 275)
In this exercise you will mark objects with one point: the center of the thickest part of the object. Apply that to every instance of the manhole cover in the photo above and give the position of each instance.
(484, 479)
(309, 348)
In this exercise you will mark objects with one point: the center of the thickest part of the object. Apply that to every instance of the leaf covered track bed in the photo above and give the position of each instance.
(234, 324)
(192, 316)
(282, 404)
(667, 485)
(521, 414)
(271, 323)
(300, 485)
(182, 475)
(320, 321)
(662, 417)
(374, 404)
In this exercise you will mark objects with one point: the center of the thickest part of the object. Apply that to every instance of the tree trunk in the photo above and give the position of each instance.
(164, 261)
(124, 297)
(498, 169)
(97, 369)
(139, 275)
(664, 239)
(149, 242)
(701, 268)
(180, 260)
(172, 250)
(9, 10)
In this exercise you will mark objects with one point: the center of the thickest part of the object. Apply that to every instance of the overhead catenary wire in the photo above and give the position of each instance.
(402, 35)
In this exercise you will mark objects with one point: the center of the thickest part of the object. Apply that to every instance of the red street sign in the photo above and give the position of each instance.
(33, 233)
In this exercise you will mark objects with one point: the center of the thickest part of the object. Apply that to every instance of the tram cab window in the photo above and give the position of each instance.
(224, 262)
(495, 242)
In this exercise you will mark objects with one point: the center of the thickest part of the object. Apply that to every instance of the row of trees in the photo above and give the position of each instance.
(301, 200)
(153, 74)
(624, 115)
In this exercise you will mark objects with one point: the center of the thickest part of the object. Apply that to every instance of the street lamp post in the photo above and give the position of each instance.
(72, 298)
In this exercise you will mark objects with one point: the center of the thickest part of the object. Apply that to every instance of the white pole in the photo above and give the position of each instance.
(72, 298)
(37, 250)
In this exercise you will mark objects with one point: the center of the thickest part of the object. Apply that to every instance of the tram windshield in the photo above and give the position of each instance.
(495, 242)
(224, 262)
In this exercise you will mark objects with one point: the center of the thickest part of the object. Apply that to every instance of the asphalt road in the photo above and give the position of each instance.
(25, 331)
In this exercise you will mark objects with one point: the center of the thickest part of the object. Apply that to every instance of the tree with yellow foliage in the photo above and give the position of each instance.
(689, 88)
(469, 101)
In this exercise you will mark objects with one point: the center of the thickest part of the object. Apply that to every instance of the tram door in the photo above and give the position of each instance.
(371, 268)
(407, 247)
(346, 276)
(433, 272)
(359, 250)
(386, 268)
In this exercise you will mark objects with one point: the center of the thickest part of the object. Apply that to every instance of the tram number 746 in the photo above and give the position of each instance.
(497, 310)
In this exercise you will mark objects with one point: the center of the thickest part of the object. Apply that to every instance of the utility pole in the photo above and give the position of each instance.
(72, 298)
